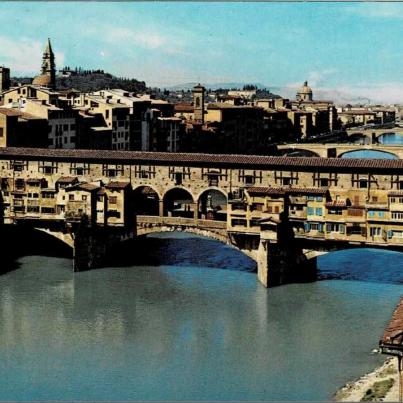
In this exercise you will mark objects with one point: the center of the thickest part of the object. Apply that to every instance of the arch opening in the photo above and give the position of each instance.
(178, 202)
(371, 154)
(297, 152)
(212, 205)
(145, 201)
(361, 264)
(170, 246)
(23, 240)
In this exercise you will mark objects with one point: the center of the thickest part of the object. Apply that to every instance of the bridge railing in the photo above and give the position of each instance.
(157, 220)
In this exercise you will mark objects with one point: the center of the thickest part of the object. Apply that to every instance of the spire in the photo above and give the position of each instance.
(48, 48)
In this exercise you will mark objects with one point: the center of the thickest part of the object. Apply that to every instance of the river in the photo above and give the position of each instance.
(194, 324)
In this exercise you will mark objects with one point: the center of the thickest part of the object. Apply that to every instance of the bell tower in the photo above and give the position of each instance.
(198, 102)
(48, 64)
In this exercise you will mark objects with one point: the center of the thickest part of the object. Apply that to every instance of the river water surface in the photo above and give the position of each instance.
(199, 327)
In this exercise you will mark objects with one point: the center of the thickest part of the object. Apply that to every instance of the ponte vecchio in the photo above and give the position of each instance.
(281, 211)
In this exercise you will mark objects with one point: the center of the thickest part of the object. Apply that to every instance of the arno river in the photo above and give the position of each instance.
(191, 323)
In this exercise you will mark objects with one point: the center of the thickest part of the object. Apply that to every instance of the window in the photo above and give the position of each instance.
(363, 184)
(47, 210)
(84, 197)
(375, 231)
(335, 227)
(397, 215)
(178, 178)
(47, 167)
(48, 195)
(71, 197)
(79, 168)
(319, 211)
(66, 127)
(113, 199)
(311, 211)
(107, 114)
(324, 182)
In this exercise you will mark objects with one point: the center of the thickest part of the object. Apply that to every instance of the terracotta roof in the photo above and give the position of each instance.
(67, 179)
(117, 185)
(9, 112)
(265, 191)
(184, 107)
(393, 334)
(34, 180)
(196, 159)
(289, 190)
(88, 187)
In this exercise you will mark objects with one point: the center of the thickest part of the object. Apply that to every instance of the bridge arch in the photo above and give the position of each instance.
(179, 201)
(209, 233)
(368, 153)
(298, 152)
(211, 204)
(146, 200)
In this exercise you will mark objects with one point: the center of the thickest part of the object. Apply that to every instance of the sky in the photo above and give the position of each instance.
(348, 47)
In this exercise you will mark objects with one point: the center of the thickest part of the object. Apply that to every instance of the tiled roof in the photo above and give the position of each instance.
(393, 334)
(34, 180)
(67, 179)
(89, 187)
(395, 193)
(184, 107)
(117, 185)
(196, 159)
(283, 190)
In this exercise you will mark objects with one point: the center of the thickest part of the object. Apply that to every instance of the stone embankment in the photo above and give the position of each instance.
(379, 385)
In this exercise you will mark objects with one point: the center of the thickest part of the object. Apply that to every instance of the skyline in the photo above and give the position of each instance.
(349, 47)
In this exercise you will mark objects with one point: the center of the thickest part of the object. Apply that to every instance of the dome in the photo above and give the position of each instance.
(43, 80)
(305, 89)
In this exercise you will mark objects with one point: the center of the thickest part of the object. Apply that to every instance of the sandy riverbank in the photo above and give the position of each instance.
(373, 385)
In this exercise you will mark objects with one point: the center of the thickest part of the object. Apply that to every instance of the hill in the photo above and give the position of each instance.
(88, 80)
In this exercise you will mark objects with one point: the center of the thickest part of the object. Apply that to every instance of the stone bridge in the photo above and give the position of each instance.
(336, 150)
(280, 211)
(373, 132)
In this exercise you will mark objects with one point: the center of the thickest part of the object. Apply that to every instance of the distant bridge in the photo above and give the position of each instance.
(336, 150)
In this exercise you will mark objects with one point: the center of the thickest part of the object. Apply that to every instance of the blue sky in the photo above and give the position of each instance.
(333, 45)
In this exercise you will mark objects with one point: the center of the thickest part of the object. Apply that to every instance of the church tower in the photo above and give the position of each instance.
(198, 102)
(48, 70)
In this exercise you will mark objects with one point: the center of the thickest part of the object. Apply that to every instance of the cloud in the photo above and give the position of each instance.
(385, 92)
(24, 55)
(378, 10)
(146, 38)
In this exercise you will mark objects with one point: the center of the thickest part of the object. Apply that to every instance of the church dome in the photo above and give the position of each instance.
(305, 89)
(43, 80)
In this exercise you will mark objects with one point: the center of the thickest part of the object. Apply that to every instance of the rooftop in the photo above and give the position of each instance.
(196, 159)
(393, 334)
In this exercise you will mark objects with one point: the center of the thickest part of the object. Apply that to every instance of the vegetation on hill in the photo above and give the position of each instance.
(90, 80)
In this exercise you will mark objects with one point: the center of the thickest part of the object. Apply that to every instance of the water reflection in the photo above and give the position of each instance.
(184, 332)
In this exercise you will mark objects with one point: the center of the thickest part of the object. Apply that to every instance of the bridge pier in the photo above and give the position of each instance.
(92, 244)
(278, 264)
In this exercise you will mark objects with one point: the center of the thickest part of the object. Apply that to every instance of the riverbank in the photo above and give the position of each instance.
(382, 384)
